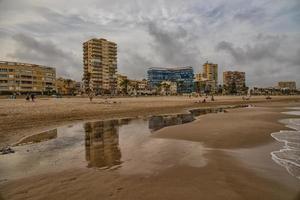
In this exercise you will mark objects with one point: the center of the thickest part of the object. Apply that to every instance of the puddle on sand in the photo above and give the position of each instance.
(46, 135)
(124, 145)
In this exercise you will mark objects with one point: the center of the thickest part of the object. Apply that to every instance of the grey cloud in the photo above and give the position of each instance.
(137, 63)
(46, 52)
(156, 33)
(251, 14)
(265, 47)
(267, 59)
(174, 47)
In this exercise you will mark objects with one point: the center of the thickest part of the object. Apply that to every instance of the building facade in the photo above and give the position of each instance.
(210, 75)
(100, 66)
(291, 85)
(16, 77)
(234, 81)
(122, 84)
(182, 76)
(168, 88)
(137, 87)
(66, 86)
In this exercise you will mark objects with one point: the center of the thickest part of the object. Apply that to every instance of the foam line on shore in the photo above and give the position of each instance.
(289, 156)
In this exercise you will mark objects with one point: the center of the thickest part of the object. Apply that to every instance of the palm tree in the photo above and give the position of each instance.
(124, 85)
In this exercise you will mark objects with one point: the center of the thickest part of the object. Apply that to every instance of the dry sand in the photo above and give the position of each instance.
(225, 176)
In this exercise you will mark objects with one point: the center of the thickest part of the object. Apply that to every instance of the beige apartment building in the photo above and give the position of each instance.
(100, 66)
(16, 77)
(235, 78)
(291, 85)
(209, 76)
(210, 72)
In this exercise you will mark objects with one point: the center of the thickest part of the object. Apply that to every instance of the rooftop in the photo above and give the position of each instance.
(10, 63)
(170, 68)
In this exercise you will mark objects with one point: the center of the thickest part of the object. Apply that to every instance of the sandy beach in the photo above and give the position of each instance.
(19, 118)
(234, 147)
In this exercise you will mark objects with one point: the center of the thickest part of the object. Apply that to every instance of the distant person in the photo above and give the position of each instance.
(27, 97)
(32, 97)
(212, 98)
(91, 96)
(204, 101)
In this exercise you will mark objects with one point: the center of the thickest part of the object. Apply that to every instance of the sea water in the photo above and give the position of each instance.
(289, 155)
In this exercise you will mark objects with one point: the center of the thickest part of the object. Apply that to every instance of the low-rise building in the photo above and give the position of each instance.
(16, 77)
(168, 88)
(122, 84)
(65, 86)
(138, 87)
(291, 85)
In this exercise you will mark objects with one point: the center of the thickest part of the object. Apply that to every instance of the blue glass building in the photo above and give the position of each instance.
(183, 76)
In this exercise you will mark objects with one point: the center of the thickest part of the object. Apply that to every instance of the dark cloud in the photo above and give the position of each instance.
(174, 45)
(44, 52)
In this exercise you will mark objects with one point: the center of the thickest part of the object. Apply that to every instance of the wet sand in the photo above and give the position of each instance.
(19, 118)
(234, 142)
(222, 178)
(238, 128)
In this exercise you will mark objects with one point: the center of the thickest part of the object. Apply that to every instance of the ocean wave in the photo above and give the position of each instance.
(289, 156)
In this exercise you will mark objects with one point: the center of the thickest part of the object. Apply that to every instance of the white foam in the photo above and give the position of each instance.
(289, 156)
(296, 112)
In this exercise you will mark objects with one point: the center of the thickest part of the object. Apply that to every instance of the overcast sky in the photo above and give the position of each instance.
(260, 37)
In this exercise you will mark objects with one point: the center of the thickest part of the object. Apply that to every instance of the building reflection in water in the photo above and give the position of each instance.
(102, 143)
(158, 122)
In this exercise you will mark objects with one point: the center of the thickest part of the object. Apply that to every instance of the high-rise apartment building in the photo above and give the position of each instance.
(210, 71)
(16, 77)
(100, 65)
(234, 80)
(210, 75)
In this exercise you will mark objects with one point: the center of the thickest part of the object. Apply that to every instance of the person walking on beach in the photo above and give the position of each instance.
(27, 97)
(32, 97)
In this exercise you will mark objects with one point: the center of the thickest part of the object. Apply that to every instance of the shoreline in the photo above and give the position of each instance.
(18, 118)
(263, 120)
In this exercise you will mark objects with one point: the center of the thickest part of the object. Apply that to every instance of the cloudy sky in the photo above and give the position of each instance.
(260, 37)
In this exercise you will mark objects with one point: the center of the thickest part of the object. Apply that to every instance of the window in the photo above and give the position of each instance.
(3, 70)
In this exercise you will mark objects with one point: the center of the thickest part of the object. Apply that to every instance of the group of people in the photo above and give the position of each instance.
(30, 97)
